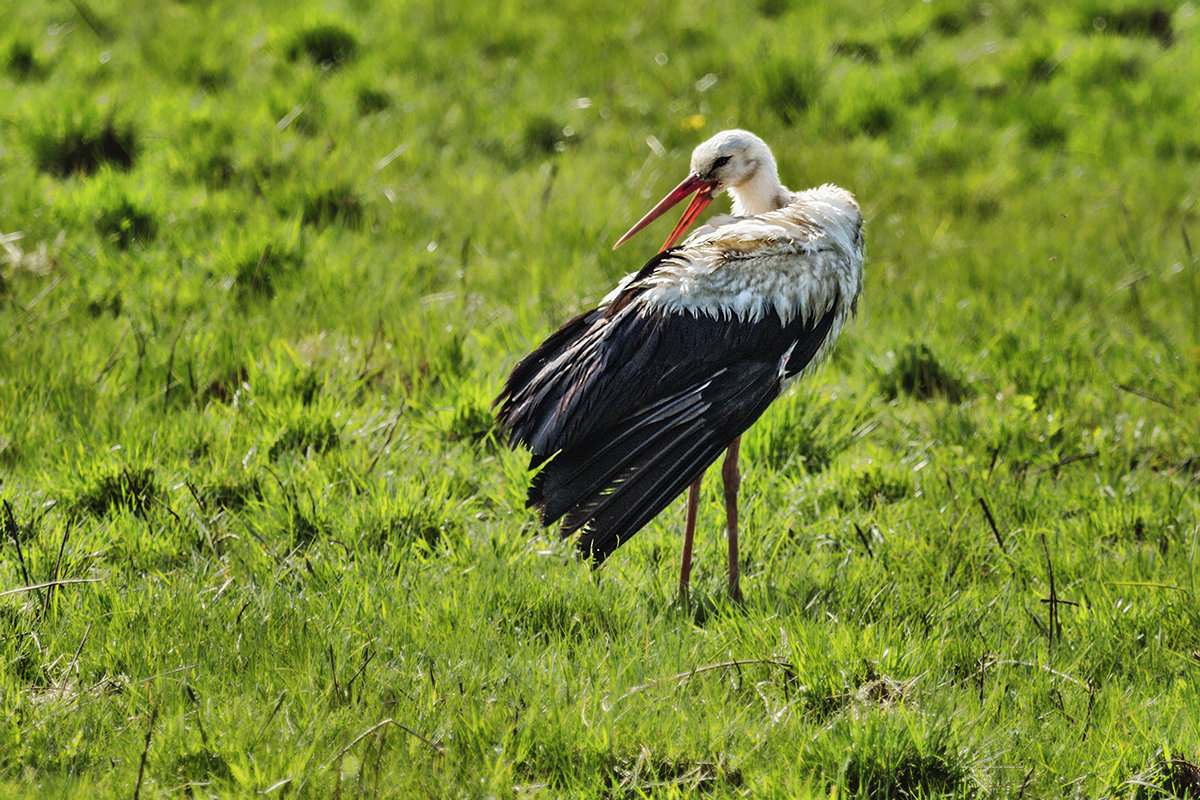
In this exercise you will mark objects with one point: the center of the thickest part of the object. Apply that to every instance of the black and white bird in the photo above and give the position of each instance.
(628, 404)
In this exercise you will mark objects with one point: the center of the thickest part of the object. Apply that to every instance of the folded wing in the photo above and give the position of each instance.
(626, 405)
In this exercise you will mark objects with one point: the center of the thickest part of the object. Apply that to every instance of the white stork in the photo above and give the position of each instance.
(629, 403)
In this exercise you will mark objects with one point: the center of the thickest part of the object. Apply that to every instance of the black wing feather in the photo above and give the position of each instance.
(622, 408)
(731, 403)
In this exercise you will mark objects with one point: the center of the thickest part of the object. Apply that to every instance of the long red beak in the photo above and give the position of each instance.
(704, 196)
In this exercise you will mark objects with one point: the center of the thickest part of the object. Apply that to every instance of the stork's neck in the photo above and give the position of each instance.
(761, 193)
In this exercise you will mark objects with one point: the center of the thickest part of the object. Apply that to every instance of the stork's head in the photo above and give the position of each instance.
(733, 160)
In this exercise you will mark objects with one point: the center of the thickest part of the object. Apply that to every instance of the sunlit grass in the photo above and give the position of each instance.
(264, 269)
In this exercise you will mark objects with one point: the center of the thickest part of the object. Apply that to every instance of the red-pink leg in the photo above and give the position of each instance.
(732, 478)
(689, 533)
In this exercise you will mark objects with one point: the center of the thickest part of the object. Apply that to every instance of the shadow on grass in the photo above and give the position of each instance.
(80, 143)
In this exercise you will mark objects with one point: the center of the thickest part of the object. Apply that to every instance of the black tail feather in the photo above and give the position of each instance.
(624, 477)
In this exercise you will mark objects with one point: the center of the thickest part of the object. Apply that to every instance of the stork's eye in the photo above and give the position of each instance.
(720, 162)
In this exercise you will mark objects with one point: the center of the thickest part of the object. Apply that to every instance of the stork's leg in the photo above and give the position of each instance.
(689, 533)
(732, 478)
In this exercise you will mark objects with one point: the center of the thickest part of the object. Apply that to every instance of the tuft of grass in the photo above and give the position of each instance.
(950, 21)
(649, 772)
(371, 100)
(772, 9)
(129, 488)
(890, 754)
(790, 86)
(305, 385)
(337, 203)
(809, 429)
(868, 104)
(225, 385)
(872, 484)
(544, 135)
(327, 45)
(123, 218)
(199, 765)
(918, 373)
(311, 432)
(257, 270)
(418, 525)
(80, 142)
(21, 63)
(471, 422)
(1145, 19)
(857, 50)
(229, 494)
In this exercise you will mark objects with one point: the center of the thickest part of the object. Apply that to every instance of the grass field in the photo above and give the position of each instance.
(265, 265)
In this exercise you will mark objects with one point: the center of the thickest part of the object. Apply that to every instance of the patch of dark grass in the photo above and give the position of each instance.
(200, 764)
(306, 385)
(952, 21)
(504, 43)
(327, 45)
(825, 694)
(543, 136)
(129, 488)
(875, 118)
(371, 100)
(871, 485)
(21, 63)
(469, 423)
(79, 143)
(10, 454)
(637, 776)
(558, 760)
(230, 494)
(905, 41)
(866, 105)
(216, 169)
(124, 219)
(22, 657)
(311, 433)
(213, 78)
(110, 303)
(257, 271)
(224, 387)
(773, 9)
(551, 617)
(15, 530)
(812, 432)
(1170, 146)
(1110, 68)
(1035, 62)
(418, 525)
(1045, 130)
(790, 86)
(982, 201)
(907, 771)
(857, 50)
(337, 203)
(917, 373)
(1149, 21)
(304, 522)
(446, 358)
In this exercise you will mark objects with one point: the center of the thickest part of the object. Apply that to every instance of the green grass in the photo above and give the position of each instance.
(264, 268)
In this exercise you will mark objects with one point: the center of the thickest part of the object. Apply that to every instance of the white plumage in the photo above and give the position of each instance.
(630, 402)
